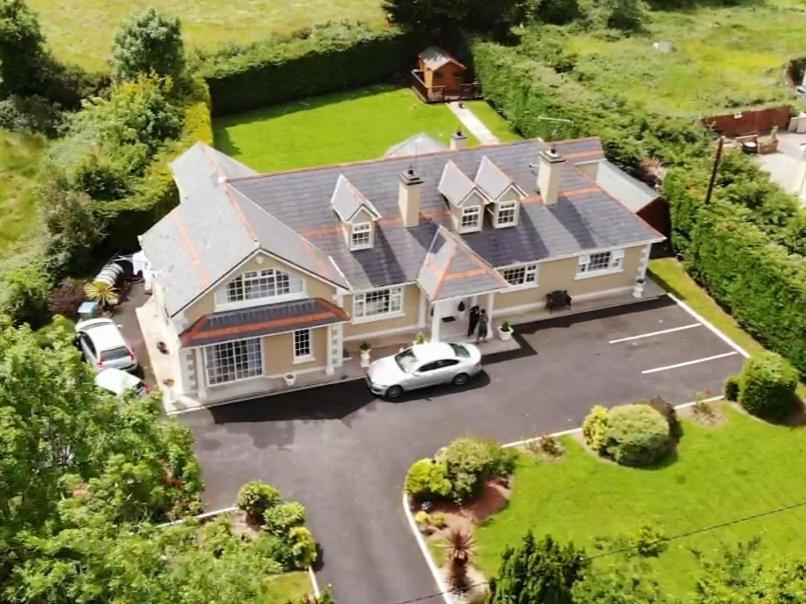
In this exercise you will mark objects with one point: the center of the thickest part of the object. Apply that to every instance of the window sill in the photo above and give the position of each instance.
(373, 318)
(303, 360)
(600, 273)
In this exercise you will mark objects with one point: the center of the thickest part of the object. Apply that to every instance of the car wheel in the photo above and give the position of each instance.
(394, 392)
(461, 379)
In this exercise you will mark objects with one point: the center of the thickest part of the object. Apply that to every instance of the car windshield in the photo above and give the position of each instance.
(115, 353)
(406, 360)
(460, 351)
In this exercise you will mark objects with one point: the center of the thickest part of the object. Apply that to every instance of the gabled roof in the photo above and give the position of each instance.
(452, 269)
(347, 201)
(435, 57)
(630, 191)
(454, 184)
(492, 180)
(414, 145)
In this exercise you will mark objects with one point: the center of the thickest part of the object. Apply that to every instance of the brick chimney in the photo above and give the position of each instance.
(458, 141)
(549, 175)
(409, 197)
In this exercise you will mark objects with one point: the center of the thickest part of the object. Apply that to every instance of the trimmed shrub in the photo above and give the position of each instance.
(637, 435)
(470, 461)
(427, 479)
(731, 391)
(650, 541)
(767, 386)
(303, 546)
(282, 517)
(595, 426)
(255, 498)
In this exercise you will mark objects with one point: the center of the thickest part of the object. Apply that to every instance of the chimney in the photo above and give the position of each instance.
(458, 141)
(549, 175)
(409, 197)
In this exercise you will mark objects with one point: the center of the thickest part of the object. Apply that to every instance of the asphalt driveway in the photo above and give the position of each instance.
(344, 453)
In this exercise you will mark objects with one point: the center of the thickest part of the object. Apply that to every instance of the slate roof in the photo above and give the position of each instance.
(435, 57)
(454, 184)
(451, 269)
(414, 145)
(632, 192)
(347, 201)
(491, 179)
(261, 321)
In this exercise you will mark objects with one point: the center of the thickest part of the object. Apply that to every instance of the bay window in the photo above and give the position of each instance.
(233, 361)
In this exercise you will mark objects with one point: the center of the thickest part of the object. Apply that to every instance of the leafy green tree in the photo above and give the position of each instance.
(538, 571)
(618, 585)
(148, 43)
(426, 14)
(22, 51)
(627, 15)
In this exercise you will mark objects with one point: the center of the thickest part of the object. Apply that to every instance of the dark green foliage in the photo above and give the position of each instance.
(328, 58)
(538, 571)
(22, 55)
(281, 518)
(470, 461)
(618, 585)
(627, 15)
(66, 297)
(637, 435)
(30, 114)
(558, 12)
(667, 410)
(767, 385)
(255, 498)
(148, 43)
(24, 286)
(426, 14)
(731, 391)
(427, 479)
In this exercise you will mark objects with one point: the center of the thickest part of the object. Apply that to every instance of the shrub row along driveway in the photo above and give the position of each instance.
(344, 454)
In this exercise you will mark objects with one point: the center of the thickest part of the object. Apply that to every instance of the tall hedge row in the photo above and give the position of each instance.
(327, 59)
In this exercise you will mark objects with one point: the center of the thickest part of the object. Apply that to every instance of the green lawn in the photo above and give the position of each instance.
(722, 58)
(494, 121)
(741, 468)
(334, 128)
(82, 31)
(19, 162)
(290, 587)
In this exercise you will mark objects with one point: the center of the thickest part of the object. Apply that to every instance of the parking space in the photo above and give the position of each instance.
(344, 453)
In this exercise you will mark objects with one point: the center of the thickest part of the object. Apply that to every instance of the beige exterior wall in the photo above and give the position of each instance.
(409, 318)
(278, 352)
(560, 274)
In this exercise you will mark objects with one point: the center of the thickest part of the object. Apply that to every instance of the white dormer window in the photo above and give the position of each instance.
(506, 213)
(361, 236)
(470, 219)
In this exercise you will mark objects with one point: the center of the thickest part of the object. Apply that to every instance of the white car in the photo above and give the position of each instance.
(423, 365)
(103, 345)
(119, 382)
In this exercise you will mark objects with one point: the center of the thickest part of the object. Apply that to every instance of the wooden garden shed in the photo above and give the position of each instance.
(441, 77)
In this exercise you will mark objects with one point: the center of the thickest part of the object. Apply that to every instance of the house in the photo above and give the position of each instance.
(440, 77)
(261, 276)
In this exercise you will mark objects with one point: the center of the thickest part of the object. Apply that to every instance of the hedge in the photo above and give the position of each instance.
(328, 58)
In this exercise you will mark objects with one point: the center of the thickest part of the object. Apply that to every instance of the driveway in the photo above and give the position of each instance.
(344, 454)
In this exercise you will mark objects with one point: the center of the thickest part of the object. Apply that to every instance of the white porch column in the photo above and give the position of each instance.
(331, 344)
(435, 321)
(489, 305)
(421, 318)
(640, 278)
(201, 375)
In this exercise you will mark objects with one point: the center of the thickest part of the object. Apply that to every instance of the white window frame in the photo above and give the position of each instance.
(396, 304)
(596, 264)
(239, 376)
(530, 275)
(362, 230)
(296, 288)
(467, 211)
(302, 343)
(506, 205)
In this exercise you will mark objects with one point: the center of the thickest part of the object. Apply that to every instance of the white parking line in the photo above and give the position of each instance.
(710, 326)
(655, 333)
(694, 362)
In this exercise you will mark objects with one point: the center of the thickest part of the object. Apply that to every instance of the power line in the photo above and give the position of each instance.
(669, 539)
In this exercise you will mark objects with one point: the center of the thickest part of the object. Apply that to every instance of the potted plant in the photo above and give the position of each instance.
(290, 379)
(505, 331)
(365, 349)
(420, 338)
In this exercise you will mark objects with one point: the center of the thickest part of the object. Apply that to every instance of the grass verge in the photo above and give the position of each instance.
(290, 587)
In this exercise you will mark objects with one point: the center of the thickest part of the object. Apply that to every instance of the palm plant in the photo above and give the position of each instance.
(460, 547)
(102, 292)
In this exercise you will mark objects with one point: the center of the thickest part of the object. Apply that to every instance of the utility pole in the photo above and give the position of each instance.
(717, 161)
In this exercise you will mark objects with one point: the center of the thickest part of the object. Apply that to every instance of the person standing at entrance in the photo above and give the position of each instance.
(484, 321)
(472, 320)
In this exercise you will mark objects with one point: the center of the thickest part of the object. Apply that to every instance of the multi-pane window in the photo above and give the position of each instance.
(507, 211)
(470, 218)
(267, 283)
(601, 261)
(232, 361)
(521, 275)
(378, 302)
(302, 344)
(361, 237)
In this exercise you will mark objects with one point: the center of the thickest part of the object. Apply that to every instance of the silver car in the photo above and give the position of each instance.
(423, 365)
(103, 345)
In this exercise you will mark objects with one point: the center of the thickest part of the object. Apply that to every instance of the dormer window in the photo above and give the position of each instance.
(470, 220)
(502, 192)
(506, 213)
(361, 236)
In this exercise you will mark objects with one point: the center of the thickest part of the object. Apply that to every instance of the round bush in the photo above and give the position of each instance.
(303, 546)
(594, 428)
(283, 516)
(638, 435)
(767, 386)
(255, 498)
(427, 479)
(470, 461)
(731, 392)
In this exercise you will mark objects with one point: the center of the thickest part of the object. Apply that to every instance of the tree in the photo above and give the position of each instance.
(460, 547)
(618, 585)
(426, 14)
(627, 15)
(538, 571)
(22, 51)
(148, 43)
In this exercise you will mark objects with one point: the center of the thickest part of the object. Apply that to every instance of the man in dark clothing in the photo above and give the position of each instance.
(484, 321)
(473, 320)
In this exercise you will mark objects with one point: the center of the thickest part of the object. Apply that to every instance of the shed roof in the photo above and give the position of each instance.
(415, 145)
(435, 57)
(630, 191)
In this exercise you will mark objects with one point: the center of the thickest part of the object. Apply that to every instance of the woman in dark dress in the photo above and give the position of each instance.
(484, 322)
(473, 320)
